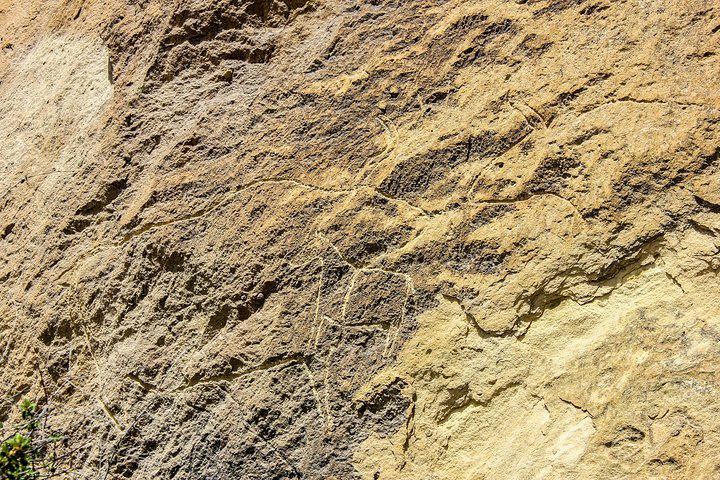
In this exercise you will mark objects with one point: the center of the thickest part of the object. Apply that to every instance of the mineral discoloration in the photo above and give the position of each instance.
(329, 239)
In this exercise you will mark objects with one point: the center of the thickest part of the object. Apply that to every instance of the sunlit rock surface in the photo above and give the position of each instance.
(276, 239)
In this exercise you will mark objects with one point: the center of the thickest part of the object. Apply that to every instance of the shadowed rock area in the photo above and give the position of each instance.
(331, 239)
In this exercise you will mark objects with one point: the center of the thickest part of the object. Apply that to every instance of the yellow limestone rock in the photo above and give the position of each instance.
(618, 387)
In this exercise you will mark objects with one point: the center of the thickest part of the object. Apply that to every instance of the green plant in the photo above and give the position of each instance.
(28, 453)
(28, 410)
(17, 458)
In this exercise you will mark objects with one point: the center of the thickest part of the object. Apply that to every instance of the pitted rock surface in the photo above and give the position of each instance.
(330, 239)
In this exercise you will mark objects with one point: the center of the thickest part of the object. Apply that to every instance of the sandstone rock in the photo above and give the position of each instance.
(272, 239)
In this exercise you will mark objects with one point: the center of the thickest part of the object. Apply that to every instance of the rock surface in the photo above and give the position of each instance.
(328, 239)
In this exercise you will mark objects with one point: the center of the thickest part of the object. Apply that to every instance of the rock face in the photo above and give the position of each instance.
(328, 239)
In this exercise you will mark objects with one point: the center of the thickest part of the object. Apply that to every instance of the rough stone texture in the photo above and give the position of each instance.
(326, 239)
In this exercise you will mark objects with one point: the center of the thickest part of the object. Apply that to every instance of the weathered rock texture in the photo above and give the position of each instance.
(327, 239)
